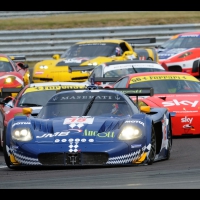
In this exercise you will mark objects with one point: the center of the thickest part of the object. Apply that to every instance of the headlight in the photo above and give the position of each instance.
(9, 79)
(94, 63)
(130, 133)
(43, 67)
(22, 134)
(185, 54)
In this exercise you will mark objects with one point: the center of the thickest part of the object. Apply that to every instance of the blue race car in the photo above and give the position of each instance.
(101, 127)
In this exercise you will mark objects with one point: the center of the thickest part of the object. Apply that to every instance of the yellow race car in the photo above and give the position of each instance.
(77, 62)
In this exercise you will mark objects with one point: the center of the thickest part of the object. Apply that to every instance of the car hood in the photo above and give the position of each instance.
(168, 53)
(94, 129)
(180, 103)
(16, 82)
(72, 63)
(6, 74)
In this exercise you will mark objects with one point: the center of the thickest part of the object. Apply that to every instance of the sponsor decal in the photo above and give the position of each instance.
(20, 123)
(87, 97)
(38, 72)
(58, 87)
(95, 133)
(161, 77)
(135, 121)
(175, 102)
(188, 126)
(186, 119)
(136, 146)
(72, 61)
(54, 134)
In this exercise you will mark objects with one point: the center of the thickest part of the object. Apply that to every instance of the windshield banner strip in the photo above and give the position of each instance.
(161, 77)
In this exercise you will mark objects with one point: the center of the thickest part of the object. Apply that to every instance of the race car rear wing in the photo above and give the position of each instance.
(106, 79)
(133, 41)
(17, 58)
(139, 91)
(4, 92)
(142, 91)
(81, 68)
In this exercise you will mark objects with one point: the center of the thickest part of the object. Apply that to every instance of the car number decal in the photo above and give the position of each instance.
(83, 120)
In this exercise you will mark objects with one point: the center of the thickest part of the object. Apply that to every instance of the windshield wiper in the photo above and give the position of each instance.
(89, 106)
(134, 69)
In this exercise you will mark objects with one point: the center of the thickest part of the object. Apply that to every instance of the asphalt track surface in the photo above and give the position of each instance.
(181, 171)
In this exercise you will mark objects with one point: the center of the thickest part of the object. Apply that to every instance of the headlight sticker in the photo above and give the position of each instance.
(20, 123)
(135, 121)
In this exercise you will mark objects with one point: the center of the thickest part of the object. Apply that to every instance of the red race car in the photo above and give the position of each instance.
(13, 72)
(179, 92)
(33, 96)
(181, 53)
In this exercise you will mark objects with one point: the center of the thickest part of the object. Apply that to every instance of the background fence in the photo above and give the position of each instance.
(38, 45)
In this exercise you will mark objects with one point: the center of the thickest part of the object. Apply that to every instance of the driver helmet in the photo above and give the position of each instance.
(115, 108)
(118, 51)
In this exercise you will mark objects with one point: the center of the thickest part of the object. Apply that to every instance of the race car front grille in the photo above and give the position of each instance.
(73, 158)
(45, 79)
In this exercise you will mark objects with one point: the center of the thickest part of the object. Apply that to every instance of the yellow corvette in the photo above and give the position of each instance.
(76, 63)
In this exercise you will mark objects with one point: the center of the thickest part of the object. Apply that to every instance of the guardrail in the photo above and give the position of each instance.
(38, 45)
(23, 14)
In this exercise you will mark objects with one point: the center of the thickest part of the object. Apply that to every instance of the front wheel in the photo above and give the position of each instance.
(169, 146)
(5, 153)
(152, 153)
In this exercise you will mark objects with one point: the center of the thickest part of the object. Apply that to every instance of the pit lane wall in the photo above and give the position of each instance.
(38, 45)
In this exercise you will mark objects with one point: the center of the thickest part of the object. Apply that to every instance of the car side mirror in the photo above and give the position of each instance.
(27, 111)
(56, 56)
(126, 53)
(145, 109)
(22, 66)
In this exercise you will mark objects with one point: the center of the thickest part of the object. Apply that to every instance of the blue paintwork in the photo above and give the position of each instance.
(52, 136)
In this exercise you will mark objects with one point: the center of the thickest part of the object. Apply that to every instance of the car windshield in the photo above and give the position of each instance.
(6, 67)
(90, 50)
(85, 104)
(36, 98)
(170, 86)
(182, 42)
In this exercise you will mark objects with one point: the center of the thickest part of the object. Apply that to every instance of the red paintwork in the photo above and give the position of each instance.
(10, 112)
(184, 110)
(18, 72)
(194, 54)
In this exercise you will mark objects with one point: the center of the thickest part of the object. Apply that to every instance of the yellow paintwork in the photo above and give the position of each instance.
(13, 160)
(62, 73)
(27, 77)
(141, 159)
(54, 87)
(145, 109)
(162, 77)
(4, 59)
(27, 111)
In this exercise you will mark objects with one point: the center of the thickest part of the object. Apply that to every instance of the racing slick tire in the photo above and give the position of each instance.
(1, 130)
(152, 153)
(6, 157)
(169, 146)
